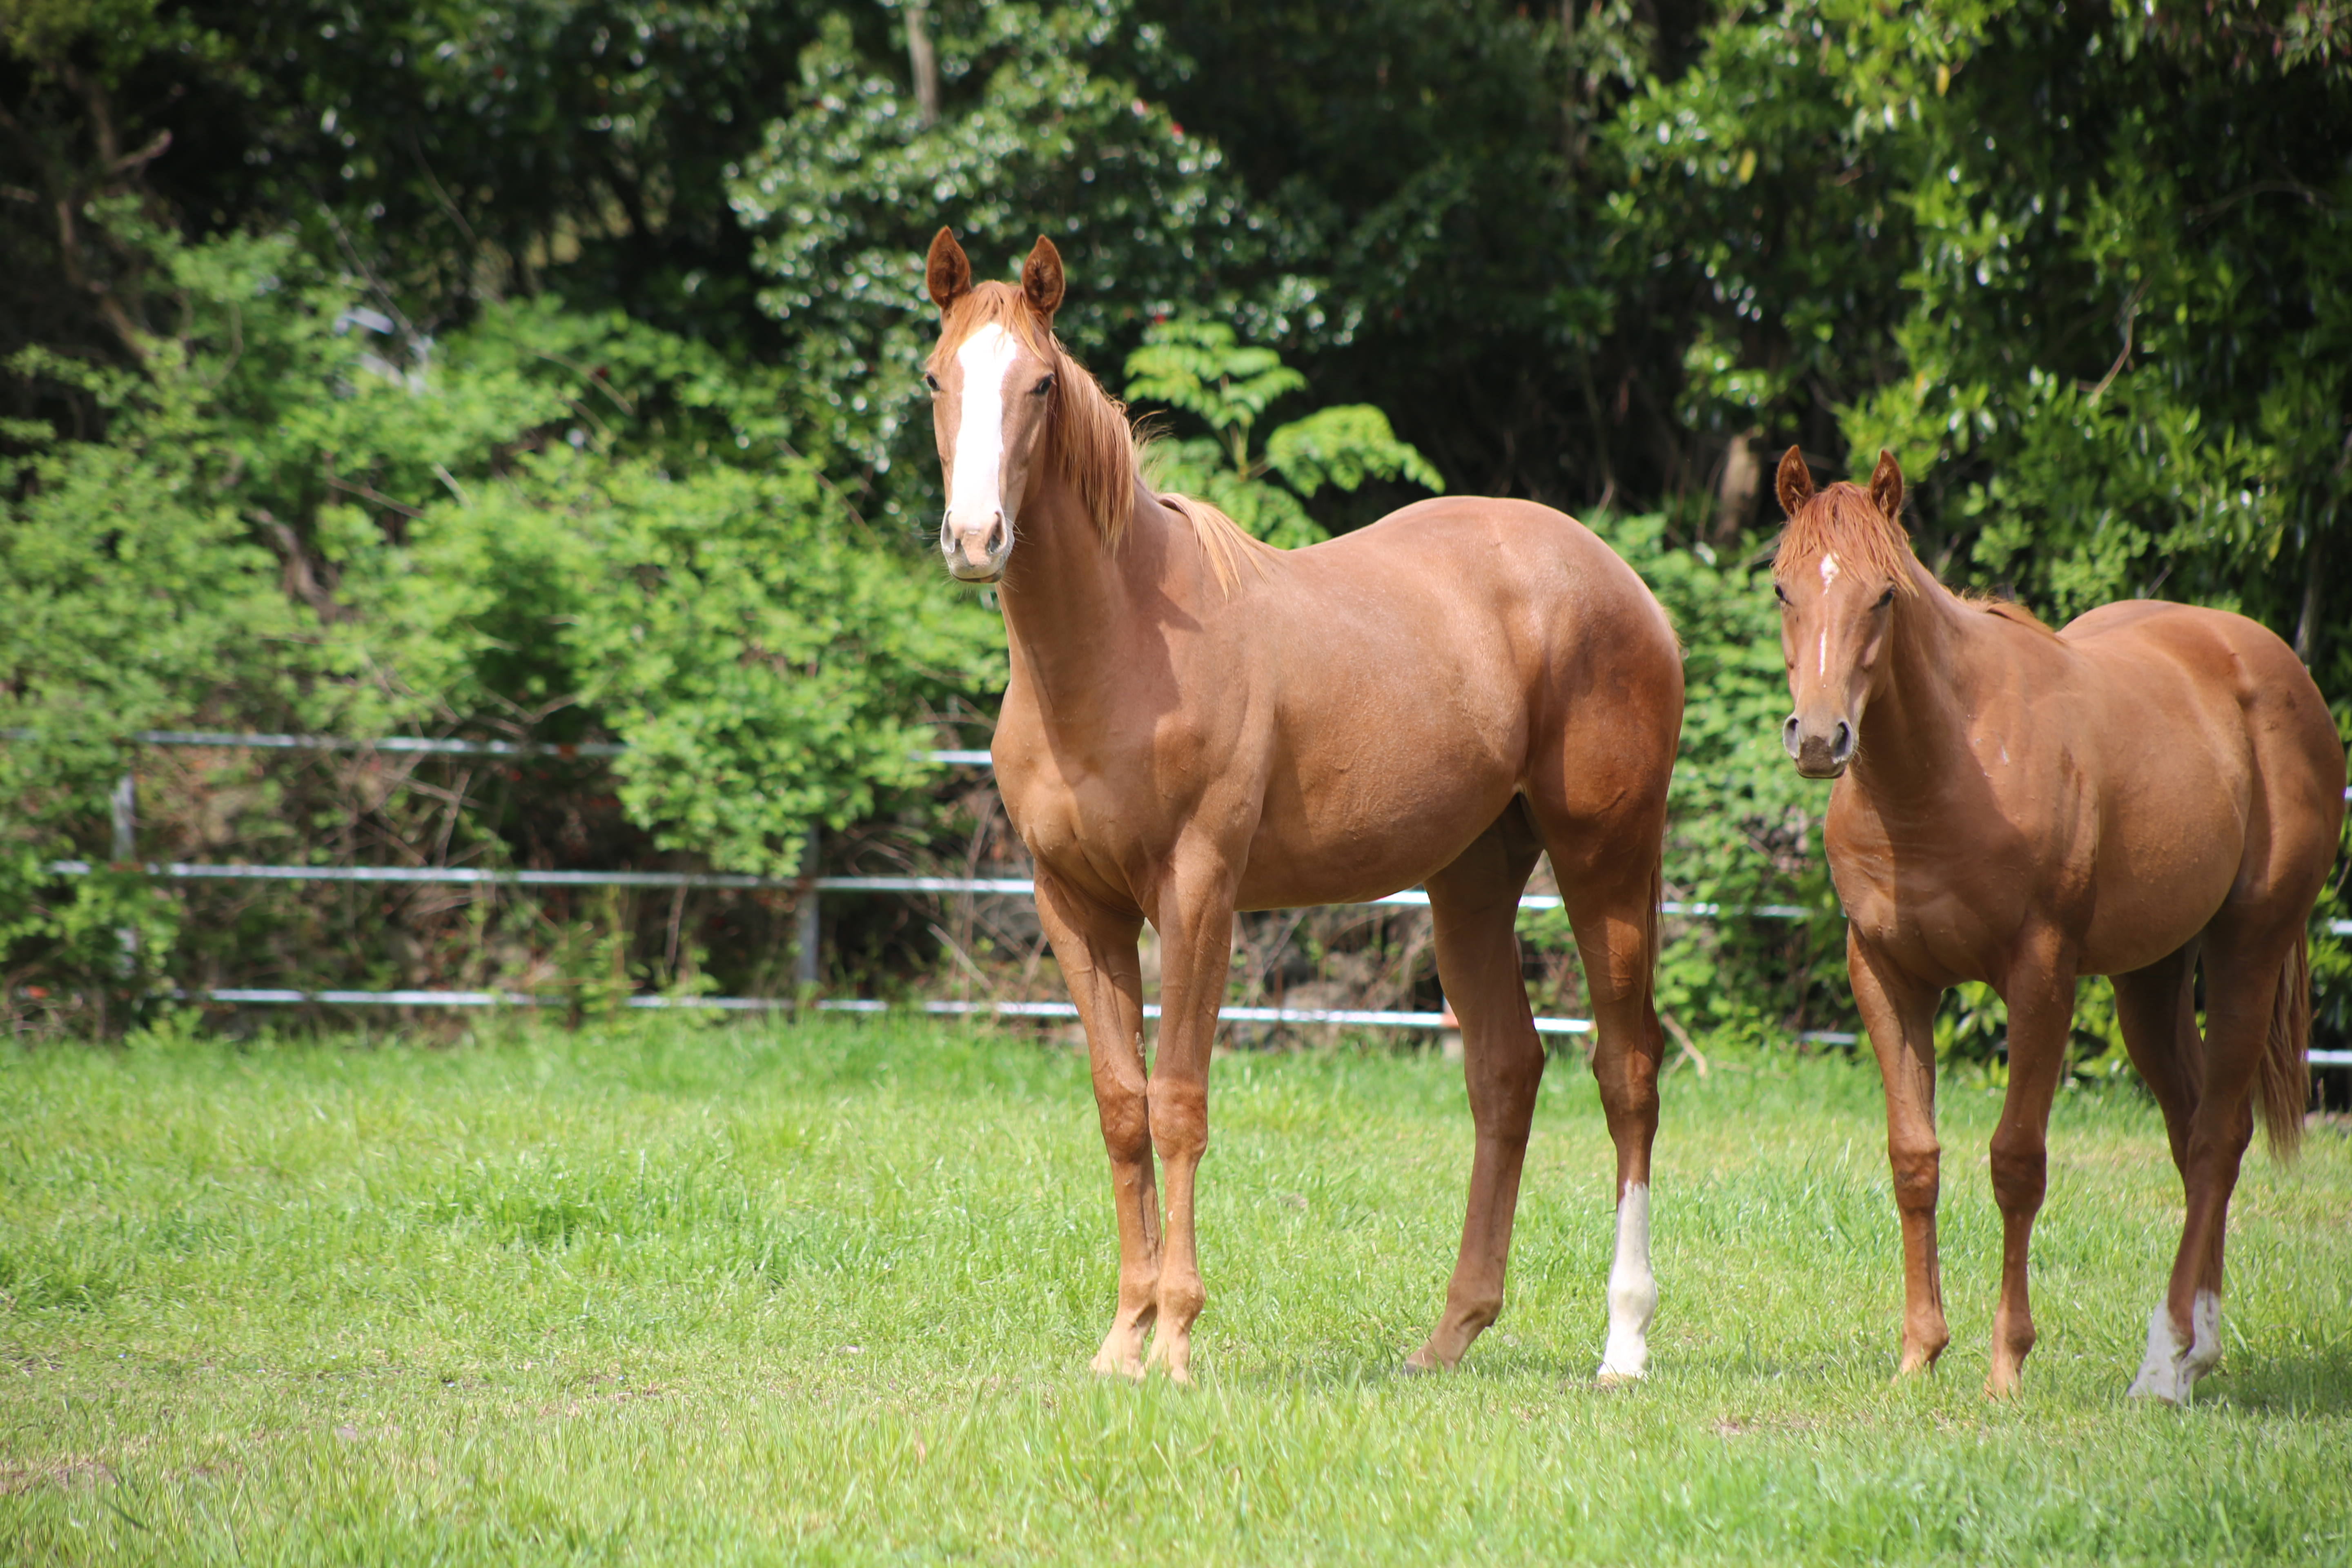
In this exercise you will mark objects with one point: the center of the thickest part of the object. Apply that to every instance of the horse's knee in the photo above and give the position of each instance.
(1126, 1126)
(1917, 1170)
(1179, 1118)
(2020, 1174)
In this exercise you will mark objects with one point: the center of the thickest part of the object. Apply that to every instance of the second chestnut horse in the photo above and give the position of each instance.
(2155, 789)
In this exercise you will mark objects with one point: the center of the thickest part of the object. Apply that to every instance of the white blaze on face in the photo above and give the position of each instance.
(1632, 1291)
(977, 487)
(1828, 578)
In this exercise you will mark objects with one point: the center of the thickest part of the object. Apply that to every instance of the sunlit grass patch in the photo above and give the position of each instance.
(664, 1292)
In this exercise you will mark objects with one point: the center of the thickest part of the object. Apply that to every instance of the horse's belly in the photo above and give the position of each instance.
(1349, 840)
(2147, 912)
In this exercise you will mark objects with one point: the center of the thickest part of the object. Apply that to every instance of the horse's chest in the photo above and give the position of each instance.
(1946, 920)
(1938, 935)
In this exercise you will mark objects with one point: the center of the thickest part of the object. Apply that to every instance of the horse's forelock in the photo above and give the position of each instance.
(993, 304)
(1843, 519)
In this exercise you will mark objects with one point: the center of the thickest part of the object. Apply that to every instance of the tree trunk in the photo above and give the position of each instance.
(925, 67)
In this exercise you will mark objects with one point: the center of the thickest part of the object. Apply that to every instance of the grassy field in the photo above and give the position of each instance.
(681, 1294)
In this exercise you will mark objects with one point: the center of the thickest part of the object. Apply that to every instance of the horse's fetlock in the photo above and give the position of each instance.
(1633, 1297)
(1180, 1301)
(1477, 1314)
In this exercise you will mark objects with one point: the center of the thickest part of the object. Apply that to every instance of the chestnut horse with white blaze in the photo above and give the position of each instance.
(2154, 788)
(1198, 724)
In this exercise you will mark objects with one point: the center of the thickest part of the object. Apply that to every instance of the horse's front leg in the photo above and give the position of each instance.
(1899, 1014)
(2040, 997)
(1095, 949)
(1196, 945)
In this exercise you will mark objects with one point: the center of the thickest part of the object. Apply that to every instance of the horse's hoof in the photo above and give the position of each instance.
(1605, 1378)
(2167, 1383)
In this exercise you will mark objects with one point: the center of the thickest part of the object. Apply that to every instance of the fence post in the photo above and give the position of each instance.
(804, 958)
(125, 812)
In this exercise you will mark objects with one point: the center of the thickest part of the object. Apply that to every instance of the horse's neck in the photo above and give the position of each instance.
(1072, 603)
(1940, 670)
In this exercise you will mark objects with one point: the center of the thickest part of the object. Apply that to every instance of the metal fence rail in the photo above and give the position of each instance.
(425, 744)
(809, 888)
(248, 996)
(1015, 887)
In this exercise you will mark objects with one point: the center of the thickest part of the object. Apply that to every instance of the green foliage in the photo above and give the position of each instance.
(552, 525)
(1046, 133)
(1743, 827)
(1343, 446)
(1198, 368)
(2083, 269)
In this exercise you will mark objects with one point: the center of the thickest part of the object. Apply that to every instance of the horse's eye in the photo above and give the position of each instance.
(1888, 597)
(1780, 592)
(1045, 385)
(930, 380)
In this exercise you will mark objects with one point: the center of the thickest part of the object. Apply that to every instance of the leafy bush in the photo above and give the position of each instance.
(549, 526)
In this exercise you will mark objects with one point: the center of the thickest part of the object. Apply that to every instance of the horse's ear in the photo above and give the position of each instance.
(947, 271)
(1041, 278)
(1886, 489)
(1794, 481)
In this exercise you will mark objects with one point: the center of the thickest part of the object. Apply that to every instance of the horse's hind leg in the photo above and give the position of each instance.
(2242, 992)
(2156, 1007)
(1608, 873)
(1474, 904)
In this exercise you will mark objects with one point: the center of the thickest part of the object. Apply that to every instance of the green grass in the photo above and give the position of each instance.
(682, 1294)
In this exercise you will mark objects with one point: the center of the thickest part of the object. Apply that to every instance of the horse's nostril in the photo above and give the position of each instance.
(1842, 743)
(1788, 735)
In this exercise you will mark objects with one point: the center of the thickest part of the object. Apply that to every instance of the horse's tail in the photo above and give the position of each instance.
(2284, 1083)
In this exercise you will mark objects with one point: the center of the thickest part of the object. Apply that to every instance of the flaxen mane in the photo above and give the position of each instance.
(1091, 440)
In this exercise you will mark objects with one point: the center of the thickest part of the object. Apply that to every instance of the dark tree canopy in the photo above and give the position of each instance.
(2086, 268)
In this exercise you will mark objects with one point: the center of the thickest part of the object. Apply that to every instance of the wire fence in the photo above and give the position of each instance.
(810, 888)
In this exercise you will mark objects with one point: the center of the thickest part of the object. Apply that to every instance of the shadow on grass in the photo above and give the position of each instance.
(2315, 1382)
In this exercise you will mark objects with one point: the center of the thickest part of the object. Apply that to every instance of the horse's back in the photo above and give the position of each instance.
(1418, 672)
(2236, 673)
(1489, 556)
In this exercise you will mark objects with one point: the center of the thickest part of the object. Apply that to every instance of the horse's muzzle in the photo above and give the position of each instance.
(1818, 753)
(976, 553)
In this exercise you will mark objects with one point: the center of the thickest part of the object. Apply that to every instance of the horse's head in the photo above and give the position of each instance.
(1844, 562)
(991, 378)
